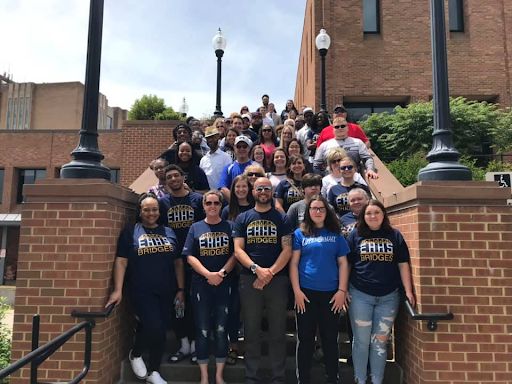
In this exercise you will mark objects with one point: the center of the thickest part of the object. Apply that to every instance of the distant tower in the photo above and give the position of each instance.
(184, 108)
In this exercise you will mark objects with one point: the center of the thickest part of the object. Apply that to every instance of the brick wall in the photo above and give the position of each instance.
(460, 238)
(67, 247)
(396, 64)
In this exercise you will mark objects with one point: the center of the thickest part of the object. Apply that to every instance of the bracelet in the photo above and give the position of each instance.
(339, 289)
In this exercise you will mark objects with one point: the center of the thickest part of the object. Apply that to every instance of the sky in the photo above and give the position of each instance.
(161, 47)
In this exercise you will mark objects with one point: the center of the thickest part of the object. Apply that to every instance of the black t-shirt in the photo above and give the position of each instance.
(242, 208)
(179, 213)
(374, 261)
(262, 232)
(151, 253)
(211, 244)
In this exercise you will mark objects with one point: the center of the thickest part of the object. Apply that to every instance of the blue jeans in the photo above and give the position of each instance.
(211, 311)
(372, 318)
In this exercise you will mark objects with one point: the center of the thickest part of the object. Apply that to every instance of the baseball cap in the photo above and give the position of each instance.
(246, 116)
(243, 139)
(211, 131)
(339, 107)
(307, 109)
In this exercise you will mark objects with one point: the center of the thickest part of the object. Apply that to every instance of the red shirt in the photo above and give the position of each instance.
(354, 130)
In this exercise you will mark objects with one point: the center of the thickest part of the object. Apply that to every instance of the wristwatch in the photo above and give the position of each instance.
(253, 267)
(223, 272)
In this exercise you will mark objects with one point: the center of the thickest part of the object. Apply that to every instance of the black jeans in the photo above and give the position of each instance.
(273, 298)
(318, 314)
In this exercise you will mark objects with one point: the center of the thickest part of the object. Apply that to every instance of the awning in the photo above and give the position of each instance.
(10, 219)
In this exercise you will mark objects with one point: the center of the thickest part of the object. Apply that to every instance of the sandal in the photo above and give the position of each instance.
(193, 358)
(177, 357)
(232, 357)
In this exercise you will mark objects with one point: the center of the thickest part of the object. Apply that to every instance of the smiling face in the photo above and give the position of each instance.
(230, 138)
(279, 159)
(259, 155)
(347, 168)
(185, 152)
(297, 167)
(294, 149)
(182, 134)
(340, 128)
(241, 189)
(356, 201)
(262, 191)
(212, 205)
(373, 216)
(174, 180)
(158, 168)
(149, 212)
(318, 212)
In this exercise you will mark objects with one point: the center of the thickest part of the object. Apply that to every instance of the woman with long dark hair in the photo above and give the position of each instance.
(195, 178)
(268, 141)
(286, 111)
(279, 167)
(241, 198)
(147, 257)
(295, 148)
(379, 259)
(290, 190)
(319, 277)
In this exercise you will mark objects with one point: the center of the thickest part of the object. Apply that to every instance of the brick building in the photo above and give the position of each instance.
(380, 53)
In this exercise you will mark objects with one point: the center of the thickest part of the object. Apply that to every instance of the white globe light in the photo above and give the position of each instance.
(219, 41)
(323, 41)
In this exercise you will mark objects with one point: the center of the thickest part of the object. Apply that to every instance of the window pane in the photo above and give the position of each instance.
(115, 175)
(371, 16)
(456, 15)
(27, 176)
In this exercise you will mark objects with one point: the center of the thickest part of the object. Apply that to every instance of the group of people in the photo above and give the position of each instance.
(240, 218)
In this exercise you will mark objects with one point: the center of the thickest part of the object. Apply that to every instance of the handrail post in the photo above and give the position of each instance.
(36, 320)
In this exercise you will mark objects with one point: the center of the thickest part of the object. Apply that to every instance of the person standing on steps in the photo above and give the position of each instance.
(147, 256)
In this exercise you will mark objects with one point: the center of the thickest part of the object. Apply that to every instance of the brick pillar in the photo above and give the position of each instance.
(460, 238)
(68, 239)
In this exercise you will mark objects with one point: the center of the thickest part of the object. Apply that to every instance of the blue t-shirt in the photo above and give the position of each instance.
(243, 208)
(374, 261)
(289, 193)
(179, 213)
(262, 232)
(318, 264)
(338, 197)
(348, 223)
(211, 244)
(151, 253)
(230, 172)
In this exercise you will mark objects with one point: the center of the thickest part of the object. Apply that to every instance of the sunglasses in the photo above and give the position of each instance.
(252, 174)
(346, 167)
(340, 126)
(210, 203)
(262, 188)
(244, 146)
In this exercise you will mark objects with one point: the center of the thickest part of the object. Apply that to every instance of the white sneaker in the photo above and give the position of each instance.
(155, 378)
(138, 366)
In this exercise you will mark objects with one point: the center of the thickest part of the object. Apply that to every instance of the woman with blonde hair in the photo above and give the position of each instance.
(333, 159)
(287, 134)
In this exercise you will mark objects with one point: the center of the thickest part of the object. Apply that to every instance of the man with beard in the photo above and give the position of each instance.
(179, 209)
(256, 125)
(242, 147)
(262, 238)
(213, 162)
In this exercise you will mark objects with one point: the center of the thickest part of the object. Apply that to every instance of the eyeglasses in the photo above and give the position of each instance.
(346, 167)
(266, 130)
(210, 203)
(263, 188)
(242, 146)
(252, 174)
(340, 126)
(318, 209)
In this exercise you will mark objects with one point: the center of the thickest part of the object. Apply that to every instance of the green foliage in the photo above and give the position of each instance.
(5, 336)
(409, 130)
(146, 108)
(502, 132)
(406, 170)
(168, 114)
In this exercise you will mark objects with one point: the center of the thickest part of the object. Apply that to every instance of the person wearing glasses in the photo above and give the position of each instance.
(242, 147)
(254, 172)
(338, 194)
(379, 260)
(209, 251)
(262, 238)
(147, 256)
(319, 275)
(354, 148)
(311, 183)
(158, 166)
(333, 158)
(354, 130)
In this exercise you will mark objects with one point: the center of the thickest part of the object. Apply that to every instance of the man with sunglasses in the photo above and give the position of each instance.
(242, 148)
(262, 238)
(354, 130)
(354, 148)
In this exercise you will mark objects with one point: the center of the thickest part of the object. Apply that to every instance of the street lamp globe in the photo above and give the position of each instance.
(323, 40)
(219, 41)
(184, 108)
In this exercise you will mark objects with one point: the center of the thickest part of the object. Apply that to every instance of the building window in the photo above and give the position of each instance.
(115, 175)
(2, 172)
(371, 16)
(361, 111)
(28, 176)
(456, 15)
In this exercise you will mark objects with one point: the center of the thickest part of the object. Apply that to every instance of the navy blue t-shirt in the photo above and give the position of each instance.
(375, 260)
(242, 208)
(338, 197)
(290, 193)
(262, 232)
(151, 253)
(196, 179)
(211, 244)
(348, 223)
(179, 213)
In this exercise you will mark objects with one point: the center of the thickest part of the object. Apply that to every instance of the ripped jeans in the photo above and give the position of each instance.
(372, 318)
(211, 308)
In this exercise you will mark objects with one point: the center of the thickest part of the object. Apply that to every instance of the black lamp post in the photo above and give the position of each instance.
(443, 157)
(86, 163)
(219, 44)
(323, 42)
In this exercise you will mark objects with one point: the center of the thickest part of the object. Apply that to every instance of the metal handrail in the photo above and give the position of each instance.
(39, 354)
(432, 318)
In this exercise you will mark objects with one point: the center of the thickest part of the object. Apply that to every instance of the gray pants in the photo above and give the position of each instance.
(273, 298)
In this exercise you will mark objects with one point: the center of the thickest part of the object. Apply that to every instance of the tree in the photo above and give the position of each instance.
(146, 108)
(502, 132)
(168, 114)
(409, 129)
